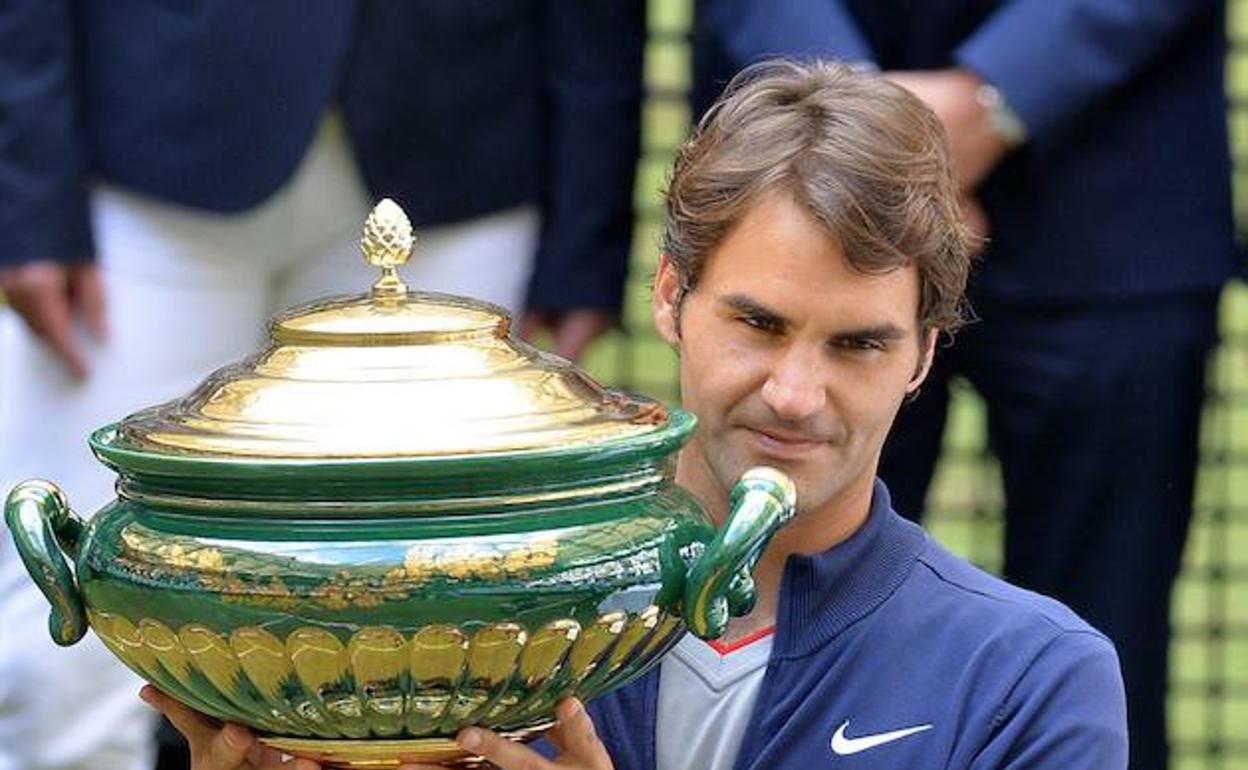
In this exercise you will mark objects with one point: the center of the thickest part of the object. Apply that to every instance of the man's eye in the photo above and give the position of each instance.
(762, 323)
(863, 344)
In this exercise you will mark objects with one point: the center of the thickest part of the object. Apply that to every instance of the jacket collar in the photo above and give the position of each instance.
(823, 594)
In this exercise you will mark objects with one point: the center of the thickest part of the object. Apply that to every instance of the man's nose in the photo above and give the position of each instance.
(794, 388)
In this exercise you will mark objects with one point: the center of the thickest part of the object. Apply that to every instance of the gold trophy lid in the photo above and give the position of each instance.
(389, 374)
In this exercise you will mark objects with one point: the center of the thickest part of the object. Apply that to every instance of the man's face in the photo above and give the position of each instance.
(790, 358)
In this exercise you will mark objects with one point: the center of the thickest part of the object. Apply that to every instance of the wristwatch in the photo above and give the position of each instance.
(1002, 118)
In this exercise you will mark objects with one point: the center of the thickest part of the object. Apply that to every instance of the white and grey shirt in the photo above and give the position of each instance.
(706, 695)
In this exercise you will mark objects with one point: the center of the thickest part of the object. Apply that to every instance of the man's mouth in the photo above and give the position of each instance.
(785, 445)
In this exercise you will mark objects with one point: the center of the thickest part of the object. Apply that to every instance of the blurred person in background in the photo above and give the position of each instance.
(171, 174)
(1091, 144)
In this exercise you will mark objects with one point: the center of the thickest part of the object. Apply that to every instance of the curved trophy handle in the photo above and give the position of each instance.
(719, 583)
(43, 526)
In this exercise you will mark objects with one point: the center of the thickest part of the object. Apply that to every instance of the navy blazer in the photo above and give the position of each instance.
(456, 108)
(1123, 189)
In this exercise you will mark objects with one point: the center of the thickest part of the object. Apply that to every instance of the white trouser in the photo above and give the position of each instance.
(187, 292)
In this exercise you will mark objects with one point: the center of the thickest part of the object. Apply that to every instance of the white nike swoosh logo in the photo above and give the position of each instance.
(845, 746)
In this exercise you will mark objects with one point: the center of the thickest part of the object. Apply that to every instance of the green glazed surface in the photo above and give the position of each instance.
(403, 627)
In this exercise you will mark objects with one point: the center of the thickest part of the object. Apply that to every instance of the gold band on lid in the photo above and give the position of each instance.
(387, 243)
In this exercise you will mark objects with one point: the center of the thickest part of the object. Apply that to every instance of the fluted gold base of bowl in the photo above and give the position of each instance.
(350, 754)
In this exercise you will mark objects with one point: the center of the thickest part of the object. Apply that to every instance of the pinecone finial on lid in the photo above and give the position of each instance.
(387, 243)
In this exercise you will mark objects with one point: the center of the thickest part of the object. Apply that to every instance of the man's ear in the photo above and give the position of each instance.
(927, 354)
(665, 300)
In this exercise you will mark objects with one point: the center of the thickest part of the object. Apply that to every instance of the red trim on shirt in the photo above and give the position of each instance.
(724, 649)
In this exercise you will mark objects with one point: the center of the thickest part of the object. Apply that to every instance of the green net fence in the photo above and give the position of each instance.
(1209, 675)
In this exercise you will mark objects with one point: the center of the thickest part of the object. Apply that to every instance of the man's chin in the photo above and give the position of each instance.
(807, 477)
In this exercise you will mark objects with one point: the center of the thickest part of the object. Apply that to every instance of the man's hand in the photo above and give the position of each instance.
(50, 297)
(951, 93)
(214, 747)
(573, 330)
(574, 736)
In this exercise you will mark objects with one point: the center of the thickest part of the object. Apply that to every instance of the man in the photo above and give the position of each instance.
(1090, 141)
(814, 252)
(169, 179)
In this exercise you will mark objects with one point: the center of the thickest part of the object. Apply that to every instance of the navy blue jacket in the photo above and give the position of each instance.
(888, 630)
(1122, 191)
(455, 109)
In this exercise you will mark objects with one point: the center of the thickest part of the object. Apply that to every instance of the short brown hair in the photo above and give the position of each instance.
(867, 159)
